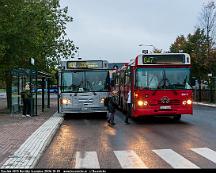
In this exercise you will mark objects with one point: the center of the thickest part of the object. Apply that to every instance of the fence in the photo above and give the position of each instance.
(204, 95)
(205, 91)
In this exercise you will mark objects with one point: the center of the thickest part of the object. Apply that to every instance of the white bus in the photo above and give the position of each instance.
(83, 86)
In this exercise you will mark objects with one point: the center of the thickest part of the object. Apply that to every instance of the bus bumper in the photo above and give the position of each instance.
(84, 110)
(158, 112)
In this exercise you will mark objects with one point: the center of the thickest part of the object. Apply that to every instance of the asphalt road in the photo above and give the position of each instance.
(87, 141)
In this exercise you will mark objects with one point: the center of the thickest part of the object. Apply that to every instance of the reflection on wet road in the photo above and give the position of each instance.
(86, 141)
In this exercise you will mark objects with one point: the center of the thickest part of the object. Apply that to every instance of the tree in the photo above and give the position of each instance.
(32, 28)
(156, 50)
(208, 24)
(193, 44)
(179, 44)
(201, 44)
(196, 47)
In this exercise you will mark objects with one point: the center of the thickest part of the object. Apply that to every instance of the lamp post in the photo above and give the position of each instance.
(210, 84)
(78, 52)
(33, 73)
(151, 45)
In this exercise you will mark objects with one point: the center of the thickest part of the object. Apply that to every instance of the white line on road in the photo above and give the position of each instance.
(206, 152)
(87, 160)
(129, 159)
(174, 159)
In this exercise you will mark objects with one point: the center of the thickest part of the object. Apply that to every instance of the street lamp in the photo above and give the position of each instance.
(154, 48)
(78, 52)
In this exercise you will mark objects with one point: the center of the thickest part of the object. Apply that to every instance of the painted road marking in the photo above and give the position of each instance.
(174, 159)
(206, 152)
(87, 160)
(129, 159)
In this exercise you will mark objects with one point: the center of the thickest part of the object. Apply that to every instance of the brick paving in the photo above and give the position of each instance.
(15, 130)
(30, 151)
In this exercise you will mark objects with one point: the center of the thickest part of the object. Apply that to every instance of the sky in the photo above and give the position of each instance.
(113, 29)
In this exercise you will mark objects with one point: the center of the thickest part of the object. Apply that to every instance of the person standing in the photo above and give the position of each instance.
(111, 111)
(129, 107)
(26, 97)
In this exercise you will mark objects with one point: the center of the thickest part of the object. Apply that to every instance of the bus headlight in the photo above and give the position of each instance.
(184, 102)
(189, 102)
(102, 100)
(142, 103)
(65, 101)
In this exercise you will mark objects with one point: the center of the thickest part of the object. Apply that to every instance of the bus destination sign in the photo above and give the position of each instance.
(84, 64)
(164, 59)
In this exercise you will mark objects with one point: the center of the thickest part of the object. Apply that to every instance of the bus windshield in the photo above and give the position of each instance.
(162, 78)
(85, 81)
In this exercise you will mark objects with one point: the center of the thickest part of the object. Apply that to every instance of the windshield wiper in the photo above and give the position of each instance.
(165, 81)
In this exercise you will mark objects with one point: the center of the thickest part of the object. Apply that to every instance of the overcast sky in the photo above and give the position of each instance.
(113, 29)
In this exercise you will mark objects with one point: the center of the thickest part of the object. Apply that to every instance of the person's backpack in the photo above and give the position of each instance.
(106, 101)
(111, 106)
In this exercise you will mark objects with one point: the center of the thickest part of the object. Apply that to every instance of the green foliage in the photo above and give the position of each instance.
(195, 45)
(200, 44)
(179, 44)
(156, 50)
(33, 28)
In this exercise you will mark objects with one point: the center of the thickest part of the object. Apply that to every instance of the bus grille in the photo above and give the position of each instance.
(86, 100)
(89, 109)
(171, 102)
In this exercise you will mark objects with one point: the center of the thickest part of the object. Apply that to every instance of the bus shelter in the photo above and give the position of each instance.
(39, 83)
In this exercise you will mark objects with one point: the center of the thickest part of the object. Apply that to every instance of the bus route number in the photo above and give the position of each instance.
(148, 60)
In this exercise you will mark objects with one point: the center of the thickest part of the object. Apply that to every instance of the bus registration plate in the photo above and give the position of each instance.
(165, 107)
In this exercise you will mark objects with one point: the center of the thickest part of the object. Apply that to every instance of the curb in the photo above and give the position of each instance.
(29, 153)
(204, 104)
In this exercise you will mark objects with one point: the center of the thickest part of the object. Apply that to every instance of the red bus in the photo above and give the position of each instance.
(159, 84)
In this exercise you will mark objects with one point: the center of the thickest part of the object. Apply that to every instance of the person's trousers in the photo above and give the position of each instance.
(111, 117)
(128, 112)
(26, 106)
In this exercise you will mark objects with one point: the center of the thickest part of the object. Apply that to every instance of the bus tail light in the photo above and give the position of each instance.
(65, 101)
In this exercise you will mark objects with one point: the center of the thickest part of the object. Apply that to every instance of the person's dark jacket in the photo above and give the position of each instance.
(25, 94)
(111, 106)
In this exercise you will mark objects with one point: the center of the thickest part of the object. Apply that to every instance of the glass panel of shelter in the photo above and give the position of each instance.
(15, 94)
(21, 77)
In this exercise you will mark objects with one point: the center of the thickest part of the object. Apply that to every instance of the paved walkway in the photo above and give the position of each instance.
(30, 151)
(16, 131)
